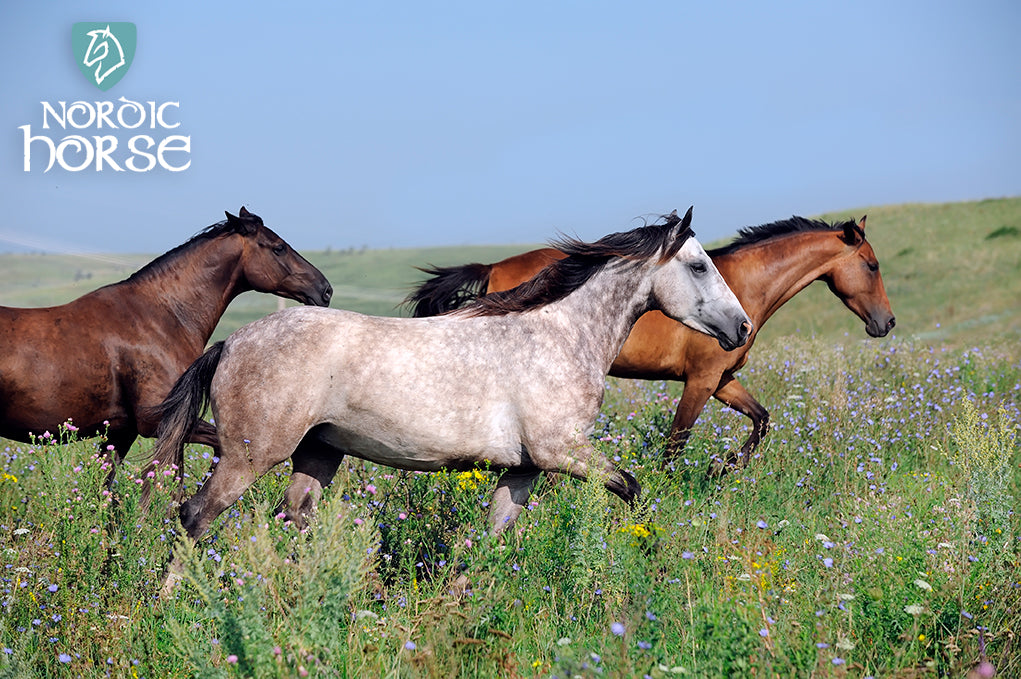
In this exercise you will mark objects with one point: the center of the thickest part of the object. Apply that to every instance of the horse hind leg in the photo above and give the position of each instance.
(236, 471)
(315, 465)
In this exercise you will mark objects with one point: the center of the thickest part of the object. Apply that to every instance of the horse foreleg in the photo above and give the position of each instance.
(579, 460)
(509, 498)
(315, 465)
(696, 394)
(733, 394)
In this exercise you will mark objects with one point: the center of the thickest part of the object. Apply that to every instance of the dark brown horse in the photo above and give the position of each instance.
(765, 266)
(105, 359)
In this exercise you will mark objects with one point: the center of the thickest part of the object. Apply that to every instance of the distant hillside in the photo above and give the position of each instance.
(952, 271)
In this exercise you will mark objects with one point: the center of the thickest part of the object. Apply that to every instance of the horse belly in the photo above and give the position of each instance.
(427, 441)
(52, 371)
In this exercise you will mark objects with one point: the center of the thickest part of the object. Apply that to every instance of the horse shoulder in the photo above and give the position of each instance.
(657, 348)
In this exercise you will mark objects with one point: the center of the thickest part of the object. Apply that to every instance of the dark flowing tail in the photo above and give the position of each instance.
(450, 288)
(178, 415)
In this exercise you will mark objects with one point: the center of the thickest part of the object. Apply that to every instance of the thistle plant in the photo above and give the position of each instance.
(982, 452)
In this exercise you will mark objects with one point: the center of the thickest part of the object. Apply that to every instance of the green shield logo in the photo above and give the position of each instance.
(104, 50)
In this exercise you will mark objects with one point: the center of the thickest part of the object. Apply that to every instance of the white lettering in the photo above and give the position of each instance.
(140, 153)
(81, 145)
(103, 111)
(159, 115)
(103, 152)
(133, 145)
(28, 147)
(86, 109)
(165, 146)
(53, 112)
(129, 105)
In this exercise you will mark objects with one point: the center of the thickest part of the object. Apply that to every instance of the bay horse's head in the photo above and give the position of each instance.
(688, 288)
(856, 281)
(269, 264)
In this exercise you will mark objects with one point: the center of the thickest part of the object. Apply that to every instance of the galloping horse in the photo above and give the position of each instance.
(765, 266)
(514, 382)
(106, 359)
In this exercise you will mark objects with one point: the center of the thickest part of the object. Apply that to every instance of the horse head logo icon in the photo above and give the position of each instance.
(104, 50)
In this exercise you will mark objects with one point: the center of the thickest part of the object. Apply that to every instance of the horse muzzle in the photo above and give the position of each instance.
(877, 328)
(324, 296)
(318, 297)
(739, 337)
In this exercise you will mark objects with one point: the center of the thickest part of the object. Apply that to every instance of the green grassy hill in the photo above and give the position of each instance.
(952, 271)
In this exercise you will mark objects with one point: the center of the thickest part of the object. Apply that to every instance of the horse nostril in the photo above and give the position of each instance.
(893, 322)
(747, 328)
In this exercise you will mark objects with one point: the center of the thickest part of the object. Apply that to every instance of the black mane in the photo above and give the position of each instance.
(750, 235)
(164, 261)
(583, 260)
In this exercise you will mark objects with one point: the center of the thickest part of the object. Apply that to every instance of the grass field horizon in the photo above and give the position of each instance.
(951, 270)
(874, 534)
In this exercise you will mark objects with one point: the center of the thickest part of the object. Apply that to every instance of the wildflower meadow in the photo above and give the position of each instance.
(874, 534)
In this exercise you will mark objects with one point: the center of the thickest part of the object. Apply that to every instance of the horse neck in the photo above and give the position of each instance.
(198, 284)
(766, 275)
(596, 318)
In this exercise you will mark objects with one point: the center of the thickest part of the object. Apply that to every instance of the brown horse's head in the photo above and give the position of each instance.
(269, 264)
(855, 279)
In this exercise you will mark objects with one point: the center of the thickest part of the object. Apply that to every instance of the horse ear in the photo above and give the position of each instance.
(853, 234)
(681, 229)
(242, 224)
(861, 224)
(686, 222)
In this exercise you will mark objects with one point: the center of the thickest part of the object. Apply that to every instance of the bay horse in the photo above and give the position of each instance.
(765, 266)
(103, 361)
(513, 382)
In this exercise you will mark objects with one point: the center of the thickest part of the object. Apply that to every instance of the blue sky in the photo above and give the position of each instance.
(417, 124)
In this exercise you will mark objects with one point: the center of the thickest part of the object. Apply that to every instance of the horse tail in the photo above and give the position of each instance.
(450, 288)
(178, 415)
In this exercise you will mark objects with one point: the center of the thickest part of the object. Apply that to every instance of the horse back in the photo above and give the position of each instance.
(514, 271)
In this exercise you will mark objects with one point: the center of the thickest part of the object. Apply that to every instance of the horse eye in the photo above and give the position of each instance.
(873, 266)
(698, 267)
(279, 248)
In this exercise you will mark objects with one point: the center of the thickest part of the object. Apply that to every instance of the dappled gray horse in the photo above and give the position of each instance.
(513, 382)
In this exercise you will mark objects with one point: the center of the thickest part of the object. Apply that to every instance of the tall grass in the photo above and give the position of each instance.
(873, 535)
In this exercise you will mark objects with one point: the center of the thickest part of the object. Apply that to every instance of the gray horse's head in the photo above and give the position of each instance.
(688, 288)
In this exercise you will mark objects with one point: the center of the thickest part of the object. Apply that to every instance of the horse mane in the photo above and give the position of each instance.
(164, 261)
(751, 235)
(583, 260)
